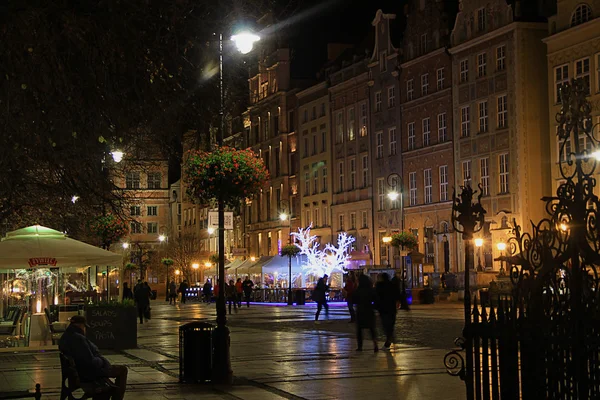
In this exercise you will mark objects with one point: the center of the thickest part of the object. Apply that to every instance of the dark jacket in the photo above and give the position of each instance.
(247, 286)
(127, 293)
(364, 297)
(207, 289)
(387, 296)
(173, 289)
(320, 291)
(142, 296)
(88, 361)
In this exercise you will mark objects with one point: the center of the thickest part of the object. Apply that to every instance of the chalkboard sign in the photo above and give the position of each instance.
(112, 328)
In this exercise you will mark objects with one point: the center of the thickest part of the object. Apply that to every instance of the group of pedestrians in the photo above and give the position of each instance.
(174, 290)
(141, 294)
(236, 291)
(363, 300)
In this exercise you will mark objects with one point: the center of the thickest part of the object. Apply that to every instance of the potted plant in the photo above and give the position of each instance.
(112, 325)
(404, 241)
(108, 228)
(224, 173)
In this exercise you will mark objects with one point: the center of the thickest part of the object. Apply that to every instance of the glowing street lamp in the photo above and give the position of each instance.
(117, 155)
(74, 199)
(252, 258)
(244, 41)
(501, 247)
(162, 238)
(479, 244)
(283, 217)
(211, 230)
(125, 245)
(386, 239)
(207, 264)
(563, 227)
(393, 196)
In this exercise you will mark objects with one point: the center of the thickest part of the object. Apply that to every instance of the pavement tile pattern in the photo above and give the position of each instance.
(276, 353)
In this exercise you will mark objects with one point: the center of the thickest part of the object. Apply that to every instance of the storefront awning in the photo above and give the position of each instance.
(280, 264)
(38, 246)
(258, 266)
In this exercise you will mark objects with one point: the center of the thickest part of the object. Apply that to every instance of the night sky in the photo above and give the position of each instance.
(334, 21)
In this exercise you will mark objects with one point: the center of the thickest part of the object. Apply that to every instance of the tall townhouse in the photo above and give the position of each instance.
(270, 131)
(427, 138)
(500, 114)
(386, 165)
(314, 146)
(144, 176)
(351, 206)
(573, 53)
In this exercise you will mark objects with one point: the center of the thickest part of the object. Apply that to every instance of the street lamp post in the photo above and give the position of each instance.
(283, 216)
(395, 182)
(162, 239)
(195, 266)
(222, 372)
(387, 240)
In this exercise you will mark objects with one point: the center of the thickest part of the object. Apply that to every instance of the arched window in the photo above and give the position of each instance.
(582, 14)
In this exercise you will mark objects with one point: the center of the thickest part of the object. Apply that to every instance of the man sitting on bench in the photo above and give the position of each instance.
(90, 365)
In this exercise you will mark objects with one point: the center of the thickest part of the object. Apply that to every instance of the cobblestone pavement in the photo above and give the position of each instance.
(276, 353)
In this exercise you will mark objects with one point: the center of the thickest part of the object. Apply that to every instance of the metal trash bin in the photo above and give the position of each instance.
(195, 352)
(300, 296)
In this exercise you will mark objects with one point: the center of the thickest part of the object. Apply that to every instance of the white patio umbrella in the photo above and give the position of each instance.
(40, 246)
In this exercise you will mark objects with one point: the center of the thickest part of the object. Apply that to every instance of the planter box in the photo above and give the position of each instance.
(113, 328)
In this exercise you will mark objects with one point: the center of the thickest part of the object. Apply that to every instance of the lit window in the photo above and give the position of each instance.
(502, 112)
(500, 58)
(481, 20)
(412, 187)
(351, 132)
(380, 194)
(582, 14)
(444, 183)
(411, 135)
(424, 84)
(464, 71)
(440, 78)
(485, 176)
(483, 116)
(561, 77)
(481, 64)
(393, 141)
(466, 173)
(582, 71)
(427, 184)
(391, 97)
(426, 125)
(504, 168)
(410, 89)
(442, 128)
(465, 122)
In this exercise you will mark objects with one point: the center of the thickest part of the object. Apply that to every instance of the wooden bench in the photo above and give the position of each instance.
(71, 383)
(37, 395)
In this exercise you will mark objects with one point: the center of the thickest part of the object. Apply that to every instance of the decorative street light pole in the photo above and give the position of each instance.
(395, 182)
(501, 247)
(222, 372)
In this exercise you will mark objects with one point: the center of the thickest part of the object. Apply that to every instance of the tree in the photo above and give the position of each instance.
(80, 78)
(184, 251)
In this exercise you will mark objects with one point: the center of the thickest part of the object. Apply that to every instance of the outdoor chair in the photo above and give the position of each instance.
(8, 328)
(101, 390)
(20, 332)
(55, 332)
(37, 394)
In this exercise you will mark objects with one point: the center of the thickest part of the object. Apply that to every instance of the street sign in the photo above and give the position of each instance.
(213, 220)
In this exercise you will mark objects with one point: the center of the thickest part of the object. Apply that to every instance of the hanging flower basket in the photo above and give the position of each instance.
(405, 239)
(109, 228)
(214, 259)
(226, 173)
(167, 262)
(290, 250)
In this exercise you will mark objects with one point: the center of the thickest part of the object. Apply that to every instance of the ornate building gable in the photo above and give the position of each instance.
(570, 13)
(478, 17)
(427, 27)
(383, 43)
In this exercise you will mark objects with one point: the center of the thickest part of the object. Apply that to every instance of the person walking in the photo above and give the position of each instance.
(142, 299)
(231, 294)
(207, 290)
(387, 298)
(127, 293)
(239, 290)
(364, 297)
(320, 296)
(399, 285)
(173, 293)
(349, 289)
(182, 289)
(248, 286)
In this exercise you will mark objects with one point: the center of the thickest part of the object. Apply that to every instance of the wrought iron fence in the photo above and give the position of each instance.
(542, 341)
